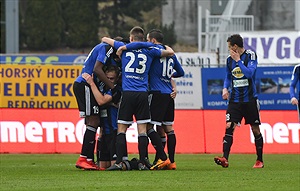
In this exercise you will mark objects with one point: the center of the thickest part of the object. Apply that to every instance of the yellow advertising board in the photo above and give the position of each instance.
(38, 86)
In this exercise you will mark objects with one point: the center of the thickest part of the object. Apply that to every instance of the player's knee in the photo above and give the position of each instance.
(255, 129)
(229, 125)
(92, 121)
(229, 128)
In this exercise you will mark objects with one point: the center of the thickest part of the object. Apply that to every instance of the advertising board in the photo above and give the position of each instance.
(272, 84)
(38, 86)
(197, 131)
(274, 47)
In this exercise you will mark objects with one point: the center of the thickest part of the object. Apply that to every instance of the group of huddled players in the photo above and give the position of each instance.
(123, 82)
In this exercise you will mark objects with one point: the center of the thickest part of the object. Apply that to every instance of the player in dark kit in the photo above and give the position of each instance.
(106, 146)
(294, 80)
(243, 102)
(134, 102)
(88, 107)
(161, 103)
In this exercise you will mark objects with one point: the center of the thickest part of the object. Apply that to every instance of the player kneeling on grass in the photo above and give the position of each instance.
(106, 146)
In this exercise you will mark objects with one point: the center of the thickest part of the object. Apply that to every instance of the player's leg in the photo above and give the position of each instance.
(86, 102)
(252, 117)
(112, 147)
(233, 117)
(156, 142)
(98, 146)
(125, 118)
(158, 108)
(259, 143)
(168, 128)
(143, 142)
(171, 145)
(161, 133)
(104, 157)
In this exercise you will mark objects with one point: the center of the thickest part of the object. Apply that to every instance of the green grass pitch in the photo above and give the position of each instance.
(194, 172)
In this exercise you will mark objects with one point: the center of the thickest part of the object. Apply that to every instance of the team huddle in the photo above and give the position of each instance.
(122, 82)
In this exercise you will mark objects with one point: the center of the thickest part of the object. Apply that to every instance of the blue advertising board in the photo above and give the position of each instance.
(272, 85)
(64, 59)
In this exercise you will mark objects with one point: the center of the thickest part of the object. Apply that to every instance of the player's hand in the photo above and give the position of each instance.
(235, 55)
(225, 94)
(116, 95)
(174, 93)
(88, 78)
(294, 101)
(120, 50)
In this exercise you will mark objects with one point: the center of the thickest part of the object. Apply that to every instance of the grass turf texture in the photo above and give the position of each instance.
(194, 172)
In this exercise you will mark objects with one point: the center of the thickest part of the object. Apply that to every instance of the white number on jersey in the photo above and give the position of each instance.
(142, 66)
(167, 67)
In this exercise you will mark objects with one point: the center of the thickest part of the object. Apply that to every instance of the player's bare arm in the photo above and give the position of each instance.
(168, 52)
(101, 75)
(108, 40)
(120, 50)
(101, 99)
(174, 90)
(225, 94)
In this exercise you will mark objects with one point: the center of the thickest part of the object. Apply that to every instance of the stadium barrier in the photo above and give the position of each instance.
(197, 131)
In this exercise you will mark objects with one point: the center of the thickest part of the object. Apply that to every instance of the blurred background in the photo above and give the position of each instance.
(31, 26)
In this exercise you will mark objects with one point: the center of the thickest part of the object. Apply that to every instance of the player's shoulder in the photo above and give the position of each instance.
(249, 51)
(228, 59)
(296, 68)
(251, 54)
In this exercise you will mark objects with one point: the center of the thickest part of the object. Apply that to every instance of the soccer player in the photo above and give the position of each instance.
(161, 103)
(134, 101)
(294, 80)
(88, 107)
(241, 67)
(106, 146)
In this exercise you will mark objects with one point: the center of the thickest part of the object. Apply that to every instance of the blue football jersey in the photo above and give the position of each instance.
(109, 116)
(135, 67)
(294, 80)
(240, 76)
(161, 72)
(101, 52)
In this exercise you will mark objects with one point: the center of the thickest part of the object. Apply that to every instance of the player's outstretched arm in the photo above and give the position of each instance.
(168, 52)
(108, 40)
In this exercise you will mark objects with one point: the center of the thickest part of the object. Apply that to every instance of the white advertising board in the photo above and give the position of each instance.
(274, 47)
(189, 87)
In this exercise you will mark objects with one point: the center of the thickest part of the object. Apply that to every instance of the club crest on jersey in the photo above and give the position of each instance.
(237, 72)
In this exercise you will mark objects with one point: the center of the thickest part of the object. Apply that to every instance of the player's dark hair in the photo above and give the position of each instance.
(112, 68)
(236, 39)
(119, 38)
(137, 33)
(157, 34)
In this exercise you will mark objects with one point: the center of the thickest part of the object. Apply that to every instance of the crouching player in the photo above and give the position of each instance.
(106, 146)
